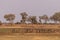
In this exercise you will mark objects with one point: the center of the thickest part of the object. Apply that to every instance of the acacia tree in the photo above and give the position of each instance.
(45, 18)
(9, 17)
(55, 17)
(32, 19)
(24, 17)
(58, 16)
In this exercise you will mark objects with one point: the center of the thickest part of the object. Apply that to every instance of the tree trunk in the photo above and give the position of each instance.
(45, 21)
(40, 21)
(11, 22)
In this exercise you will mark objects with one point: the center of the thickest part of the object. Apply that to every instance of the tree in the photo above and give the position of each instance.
(55, 17)
(32, 19)
(40, 17)
(9, 17)
(24, 17)
(45, 17)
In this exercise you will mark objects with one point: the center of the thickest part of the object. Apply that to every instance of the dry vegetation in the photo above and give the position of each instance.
(22, 37)
(11, 35)
(30, 25)
(29, 37)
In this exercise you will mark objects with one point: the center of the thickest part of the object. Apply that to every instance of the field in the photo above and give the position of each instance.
(22, 37)
(30, 37)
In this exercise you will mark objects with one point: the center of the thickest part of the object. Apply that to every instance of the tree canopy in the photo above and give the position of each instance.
(9, 17)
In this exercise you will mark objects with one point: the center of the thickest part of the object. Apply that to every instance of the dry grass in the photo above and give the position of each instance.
(30, 37)
(31, 25)
(22, 37)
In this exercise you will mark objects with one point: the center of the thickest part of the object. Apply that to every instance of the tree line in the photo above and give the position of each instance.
(33, 19)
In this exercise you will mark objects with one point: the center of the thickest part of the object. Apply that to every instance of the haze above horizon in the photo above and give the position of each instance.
(32, 7)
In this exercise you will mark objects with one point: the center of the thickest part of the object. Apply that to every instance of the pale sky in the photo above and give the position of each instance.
(32, 7)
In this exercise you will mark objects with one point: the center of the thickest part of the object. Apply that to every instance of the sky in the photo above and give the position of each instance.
(32, 7)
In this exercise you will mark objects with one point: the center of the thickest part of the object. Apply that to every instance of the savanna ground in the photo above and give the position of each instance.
(24, 37)
(29, 37)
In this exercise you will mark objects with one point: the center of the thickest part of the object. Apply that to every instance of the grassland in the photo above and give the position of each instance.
(30, 37)
(22, 37)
